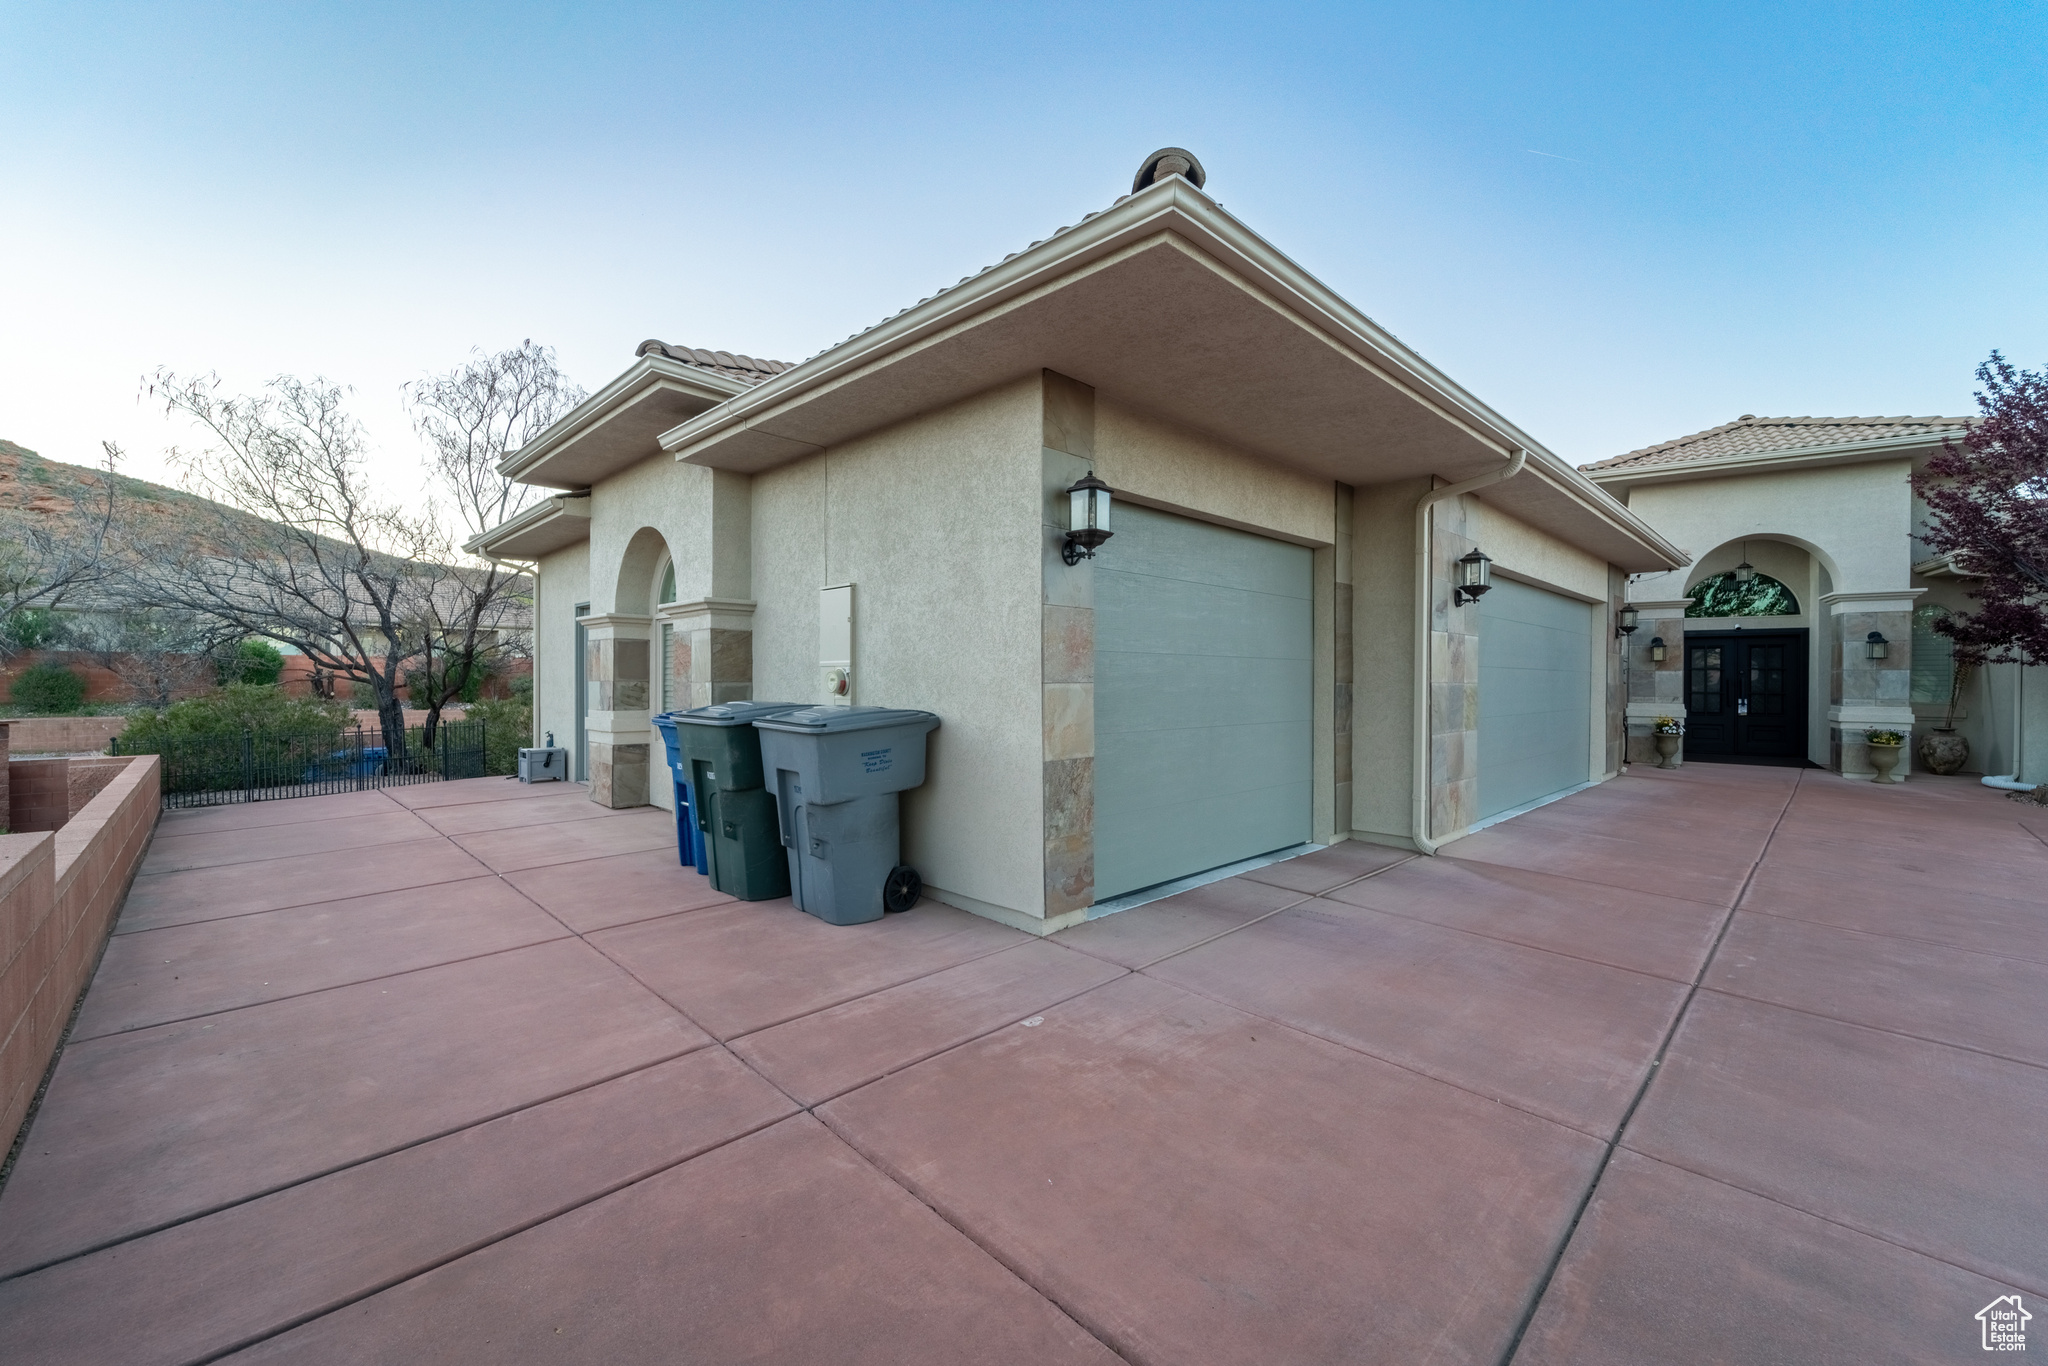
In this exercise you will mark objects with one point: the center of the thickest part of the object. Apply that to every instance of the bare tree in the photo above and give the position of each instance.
(156, 653)
(472, 417)
(45, 561)
(306, 552)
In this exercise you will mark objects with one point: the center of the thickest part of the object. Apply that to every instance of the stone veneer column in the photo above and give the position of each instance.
(1868, 694)
(1453, 678)
(616, 667)
(1655, 689)
(1067, 659)
(711, 651)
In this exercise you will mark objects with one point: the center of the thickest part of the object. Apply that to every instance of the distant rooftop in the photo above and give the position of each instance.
(1750, 435)
(745, 369)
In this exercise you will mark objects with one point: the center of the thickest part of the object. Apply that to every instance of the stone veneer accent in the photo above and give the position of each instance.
(1654, 689)
(1868, 694)
(1453, 678)
(616, 665)
(711, 652)
(1067, 660)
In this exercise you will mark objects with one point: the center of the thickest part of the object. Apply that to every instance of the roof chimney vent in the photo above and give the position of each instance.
(1169, 161)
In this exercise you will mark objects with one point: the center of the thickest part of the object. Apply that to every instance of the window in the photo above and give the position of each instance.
(668, 637)
(1722, 596)
(1934, 658)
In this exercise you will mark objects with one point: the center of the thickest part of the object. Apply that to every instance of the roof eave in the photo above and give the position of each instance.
(1798, 457)
(527, 464)
(542, 529)
(1171, 205)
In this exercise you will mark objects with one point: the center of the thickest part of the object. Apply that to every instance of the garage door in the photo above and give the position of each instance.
(1204, 649)
(1535, 695)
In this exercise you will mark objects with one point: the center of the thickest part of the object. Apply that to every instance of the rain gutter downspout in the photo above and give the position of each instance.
(1419, 823)
(2010, 782)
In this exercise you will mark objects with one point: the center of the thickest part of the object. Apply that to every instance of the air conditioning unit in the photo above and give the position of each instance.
(543, 765)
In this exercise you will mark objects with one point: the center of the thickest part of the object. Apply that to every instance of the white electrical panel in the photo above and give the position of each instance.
(835, 643)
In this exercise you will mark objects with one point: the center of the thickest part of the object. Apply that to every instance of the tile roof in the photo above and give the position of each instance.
(1750, 435)
(745, 369)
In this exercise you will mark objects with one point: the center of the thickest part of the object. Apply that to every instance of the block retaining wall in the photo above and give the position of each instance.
(59, 892)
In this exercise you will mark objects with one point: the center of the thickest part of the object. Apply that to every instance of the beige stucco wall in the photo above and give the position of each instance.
(1856, 518)
(1168, 467)
(564, 582)
(935, 523)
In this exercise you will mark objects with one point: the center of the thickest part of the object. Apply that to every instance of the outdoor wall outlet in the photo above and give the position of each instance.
(835, 643)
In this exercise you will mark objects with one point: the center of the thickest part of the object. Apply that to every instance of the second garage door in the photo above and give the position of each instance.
(1204, 668)
(1535, 695)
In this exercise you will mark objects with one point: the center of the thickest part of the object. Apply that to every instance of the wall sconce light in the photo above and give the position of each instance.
(1087, 518)
(1473, 572)
(1626, 623)
(1876, 643)
(1656, 649)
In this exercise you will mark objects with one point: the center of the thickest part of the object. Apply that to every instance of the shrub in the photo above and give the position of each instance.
(254, 661)
(232, 709)
(507, 724)
(50, 689)
(30, 628)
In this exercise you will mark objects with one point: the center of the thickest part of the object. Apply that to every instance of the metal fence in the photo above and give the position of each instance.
(261, 766)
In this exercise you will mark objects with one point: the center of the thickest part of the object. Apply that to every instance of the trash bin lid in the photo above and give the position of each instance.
(817, 720)
(666, 720)
(732, 713)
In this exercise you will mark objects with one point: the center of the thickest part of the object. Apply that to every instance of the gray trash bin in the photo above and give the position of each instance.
(835, 773)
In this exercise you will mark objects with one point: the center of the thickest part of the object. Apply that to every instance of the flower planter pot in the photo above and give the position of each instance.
(1943, 751)
(1667, 747)
(1884, 758)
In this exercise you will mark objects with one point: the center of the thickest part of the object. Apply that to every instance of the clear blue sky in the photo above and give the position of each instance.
(1616, 224)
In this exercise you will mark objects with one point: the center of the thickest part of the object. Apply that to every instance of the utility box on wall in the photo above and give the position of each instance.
(835, 643)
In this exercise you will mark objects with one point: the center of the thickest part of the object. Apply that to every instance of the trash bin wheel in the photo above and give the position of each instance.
(903, 888)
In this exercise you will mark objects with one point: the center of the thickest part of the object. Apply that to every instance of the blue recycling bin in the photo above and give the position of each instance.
(690, 850)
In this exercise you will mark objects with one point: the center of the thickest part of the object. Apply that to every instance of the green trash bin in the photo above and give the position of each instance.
(735, 814)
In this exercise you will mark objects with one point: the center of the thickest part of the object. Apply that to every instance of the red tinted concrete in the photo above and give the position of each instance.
(1985, 1001)
(1134, 938)
(258, 1268)
(820, 1056)
(1672, 1269)
(407, 1130)
(1327, 868)
(782, 1247)
(1662, 935)
(176, 852)
(1197, 1185)
(1932, 1147)
(617, 890)
(241, 889)
(1559, 1037)
(750, 964)
(534, 846)
(180, 971)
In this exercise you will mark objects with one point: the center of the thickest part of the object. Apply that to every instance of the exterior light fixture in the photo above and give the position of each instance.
(1745, 571)
(1087, 518)
(1876, 643)
(1626, 625)
(1473, 571)
(1656, 649)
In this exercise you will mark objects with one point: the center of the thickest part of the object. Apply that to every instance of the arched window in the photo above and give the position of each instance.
(1934, 657)
(1721, 596)
(668, 635)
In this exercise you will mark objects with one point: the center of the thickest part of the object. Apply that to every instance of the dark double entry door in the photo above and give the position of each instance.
(1745, 695)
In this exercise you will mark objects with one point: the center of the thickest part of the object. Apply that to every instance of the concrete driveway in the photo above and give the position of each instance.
(474, 1072)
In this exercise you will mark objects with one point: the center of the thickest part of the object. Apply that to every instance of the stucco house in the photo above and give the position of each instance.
(1274, 648)
(1783, 667)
